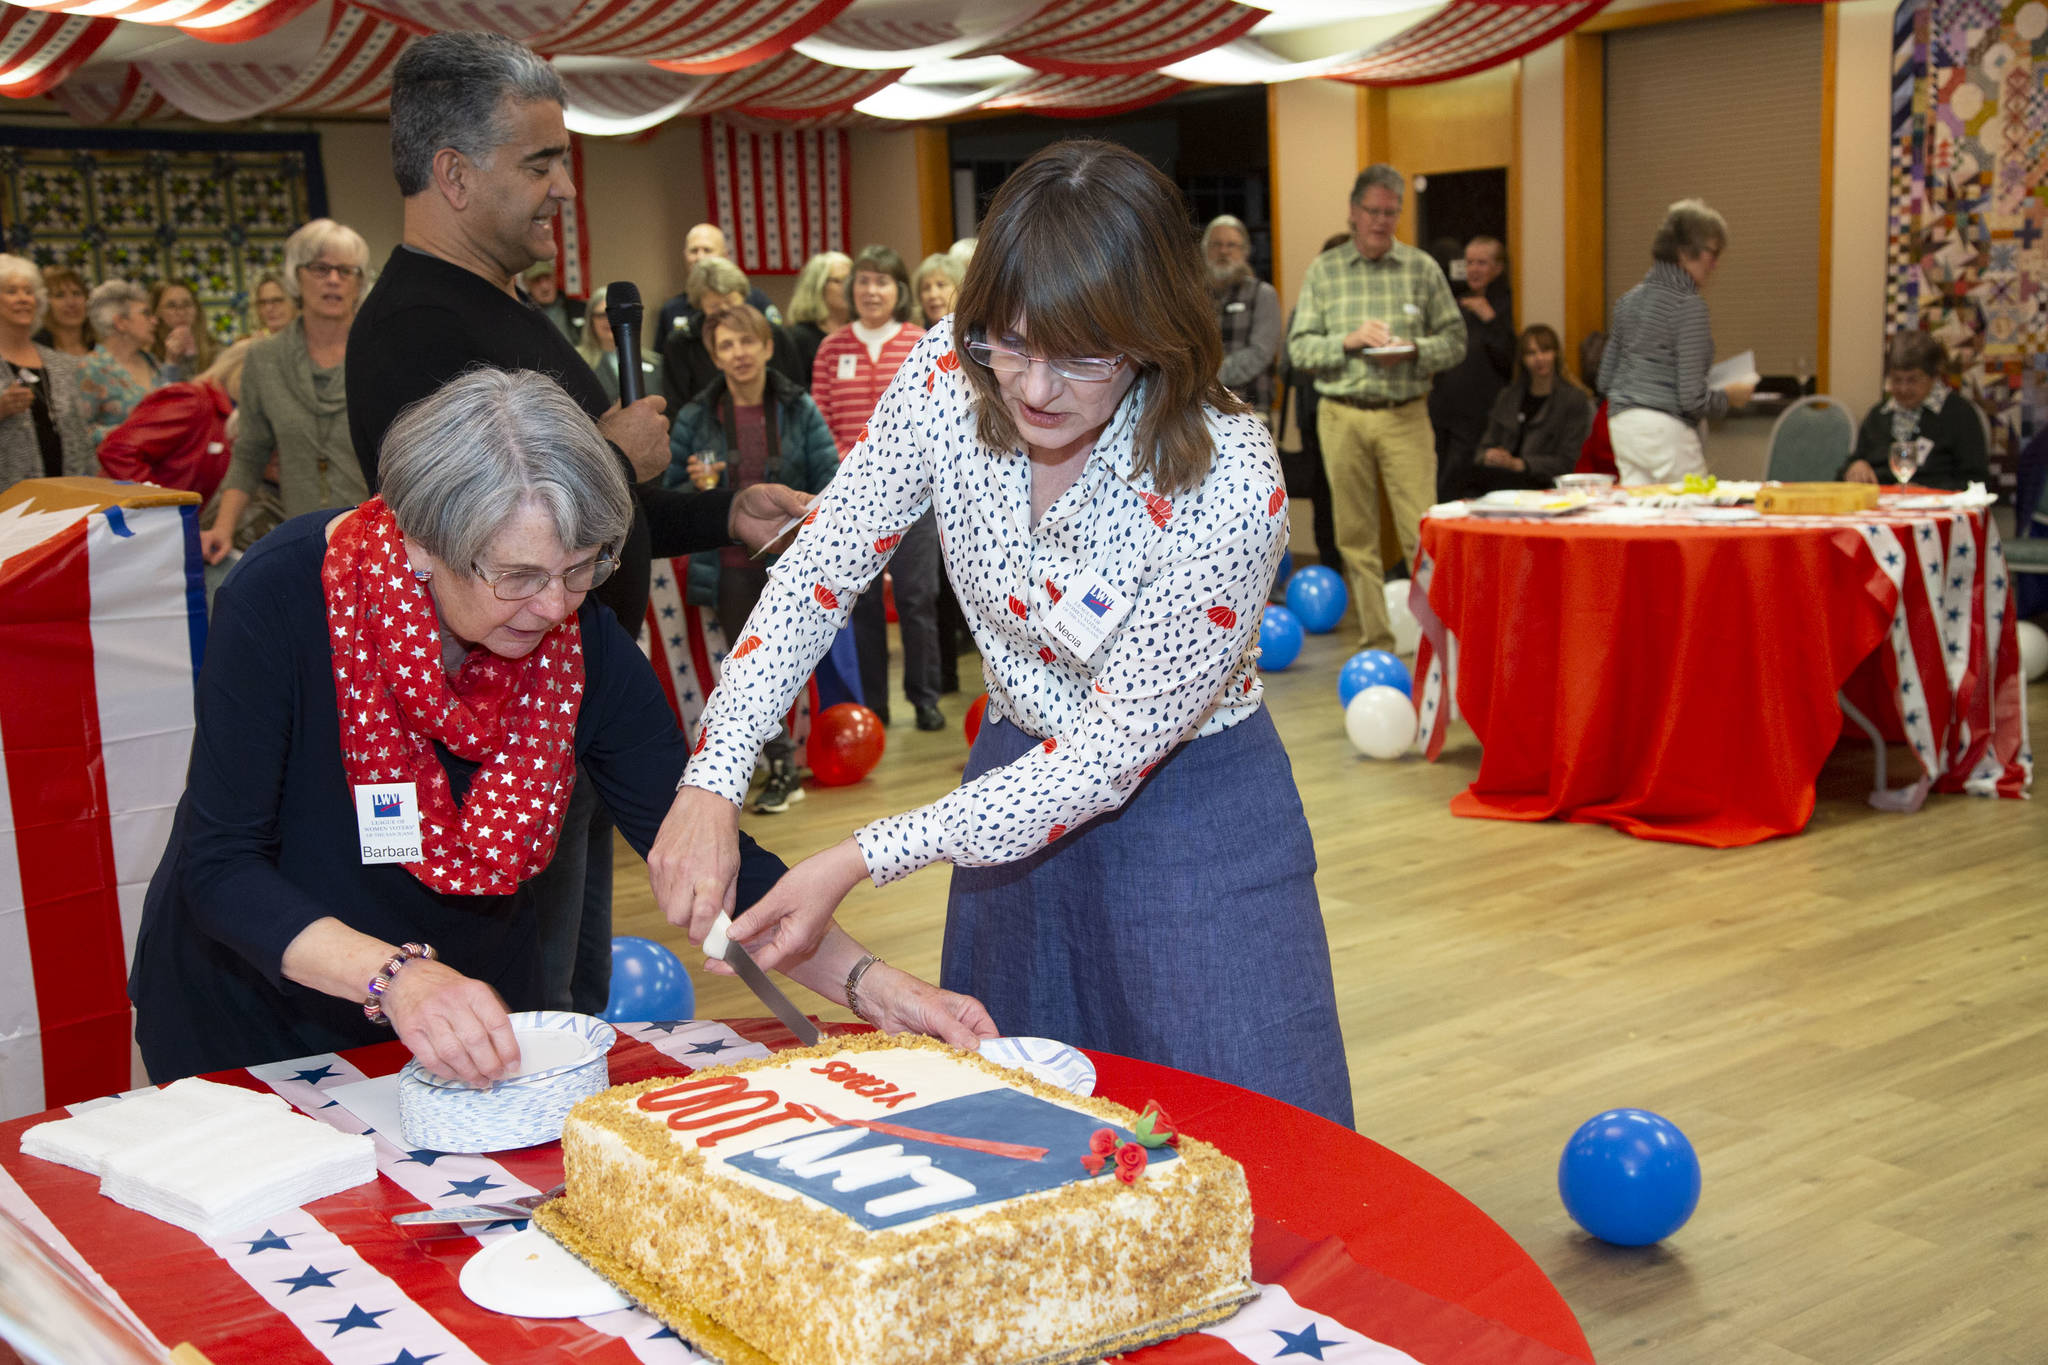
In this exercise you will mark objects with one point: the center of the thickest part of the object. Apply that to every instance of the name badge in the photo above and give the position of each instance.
(848, 366)
(1090, 610)
(388, 822)
(1233, 307)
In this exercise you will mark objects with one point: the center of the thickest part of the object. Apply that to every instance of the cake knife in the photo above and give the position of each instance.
(719, 944)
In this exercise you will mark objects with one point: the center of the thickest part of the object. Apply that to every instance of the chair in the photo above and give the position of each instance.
(1811, 441)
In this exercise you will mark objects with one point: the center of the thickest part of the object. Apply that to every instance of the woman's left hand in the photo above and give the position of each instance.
(897, 1002)
(789, 922)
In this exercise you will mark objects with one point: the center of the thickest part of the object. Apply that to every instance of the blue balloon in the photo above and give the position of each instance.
(1317, 595)
(648, 983)
(1372, 668)
(1279, 639)
(1629, 1177)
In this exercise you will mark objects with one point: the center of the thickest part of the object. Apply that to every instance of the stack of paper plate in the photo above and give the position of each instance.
(561, 1060)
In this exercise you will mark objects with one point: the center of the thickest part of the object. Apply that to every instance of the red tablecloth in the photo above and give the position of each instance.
(1355, 1244)
(1678, 680)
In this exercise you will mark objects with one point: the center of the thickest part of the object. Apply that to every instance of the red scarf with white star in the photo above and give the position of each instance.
(514, 717)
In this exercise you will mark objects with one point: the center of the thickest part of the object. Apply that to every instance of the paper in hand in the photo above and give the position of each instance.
(1735, 369)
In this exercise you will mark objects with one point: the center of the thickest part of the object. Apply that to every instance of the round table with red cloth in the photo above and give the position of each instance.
(1352, 1241)
(1678, 678)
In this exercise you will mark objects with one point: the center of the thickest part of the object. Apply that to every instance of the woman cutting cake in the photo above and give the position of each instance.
(393, 706)
(1132, 868)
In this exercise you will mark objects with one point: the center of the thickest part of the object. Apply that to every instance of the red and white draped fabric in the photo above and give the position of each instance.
(102, 619)
(686, 35)
(38, 50)
(780, 197)
(1122, 37)
(350, 74)
(1086, 96)
(1466, 36)
(215, 21)
(123, 100)
(686, 647)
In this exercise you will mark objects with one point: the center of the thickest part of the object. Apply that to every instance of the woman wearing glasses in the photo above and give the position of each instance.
(1132, 869)
(294, 391)
(393, 708)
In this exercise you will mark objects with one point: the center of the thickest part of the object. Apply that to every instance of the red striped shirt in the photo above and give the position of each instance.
(848, 402)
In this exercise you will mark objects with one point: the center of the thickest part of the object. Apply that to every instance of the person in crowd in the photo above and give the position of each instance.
(480, 152)
(66, 327)
(1919, 406)
(277, 899)
(1247, 310)
(273, 305)
(848, 378)
(180, 435)
(715, 284)
(1462, 398)
(1539, 421)
(700, 244)
(752, 424)
(1315, 486)
(1376, 320)
(963, 252)
(1068, 425)
(186, 343)
(937, 287)
(818, 305)
(295, 390)
(123, 367)
(545, 292)
(600, 349)
(1596, 455)
(1659, 350)
(42, 408)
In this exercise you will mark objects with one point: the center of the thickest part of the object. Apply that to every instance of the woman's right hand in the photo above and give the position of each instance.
(179, 345)
(455, 1024)
(214, 544)
(16, 399)
(695, 861)
(1859, 471)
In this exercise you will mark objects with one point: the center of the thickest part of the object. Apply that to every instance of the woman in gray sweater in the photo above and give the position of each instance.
(294, 393)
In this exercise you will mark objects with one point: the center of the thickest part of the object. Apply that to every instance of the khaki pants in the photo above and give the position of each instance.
(1366, 451)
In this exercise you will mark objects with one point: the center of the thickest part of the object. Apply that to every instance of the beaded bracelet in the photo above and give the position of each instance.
(373, 1004)
(860, 969)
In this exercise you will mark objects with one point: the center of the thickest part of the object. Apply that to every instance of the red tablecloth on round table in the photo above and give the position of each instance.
(1678, 681)
(1349, 1235)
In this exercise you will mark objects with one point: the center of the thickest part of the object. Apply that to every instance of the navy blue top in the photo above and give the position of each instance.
(265, 842)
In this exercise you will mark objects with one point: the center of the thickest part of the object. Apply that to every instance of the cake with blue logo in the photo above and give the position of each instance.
(890, 1201)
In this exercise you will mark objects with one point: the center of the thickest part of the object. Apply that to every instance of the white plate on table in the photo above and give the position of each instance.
(1528, 502)
(529, 1275)
(1404, 348)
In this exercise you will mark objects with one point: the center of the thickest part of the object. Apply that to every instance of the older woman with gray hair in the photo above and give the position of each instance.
(121, 370)
(391, 713)
(42, 426)
(295, 390)
(1660, 349)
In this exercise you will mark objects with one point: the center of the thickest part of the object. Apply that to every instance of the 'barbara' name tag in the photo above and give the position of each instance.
(1090, 610)
(388, 822)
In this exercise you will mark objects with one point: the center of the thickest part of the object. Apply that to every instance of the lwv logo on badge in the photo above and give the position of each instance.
(388, 821)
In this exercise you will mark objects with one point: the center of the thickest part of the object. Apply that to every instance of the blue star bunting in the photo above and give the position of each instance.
(1906, 685)
(1954, 648)
(471, 1189)
(269, 1241)
(1912, 718)
(423, 1156)
(1891, 559)
(408, 1358)
(1955, 613)
(714, 1046)
(667, 1025)
(665, 1334)
(514, 1223)
(312, 1279)
(313, 1075)
(1303, 1343)
(1998, 584)
(1956, 582)
(669, 612)
(356, 1317)
(675, 642)
(661, 580)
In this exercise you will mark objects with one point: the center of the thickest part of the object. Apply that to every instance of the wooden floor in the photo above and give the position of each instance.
(1851, 1026)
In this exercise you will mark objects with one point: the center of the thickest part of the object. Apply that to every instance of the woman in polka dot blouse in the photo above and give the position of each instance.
(1132, 869)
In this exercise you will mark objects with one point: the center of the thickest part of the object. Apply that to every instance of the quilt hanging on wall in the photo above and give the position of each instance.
(212, 210)
(1968, 252)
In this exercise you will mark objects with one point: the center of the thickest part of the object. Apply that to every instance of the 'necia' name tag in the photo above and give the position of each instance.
(1087, 614)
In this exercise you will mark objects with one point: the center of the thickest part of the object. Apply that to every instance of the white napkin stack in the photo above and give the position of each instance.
(209, 1158)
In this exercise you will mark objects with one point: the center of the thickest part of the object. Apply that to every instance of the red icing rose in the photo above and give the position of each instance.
(1102, 1141)
(825, 597)
(1052, 590)
(1093, 1164)
(1223, 616)
(1018, 609)
(1130, 1162)
(747, 646)
(887, 543)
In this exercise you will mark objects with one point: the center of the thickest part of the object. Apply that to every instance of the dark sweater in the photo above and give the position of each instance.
(1461, 397)
(687, 368)
(1958, 457)
(426, 321)
(1547, 440)
(264, 842)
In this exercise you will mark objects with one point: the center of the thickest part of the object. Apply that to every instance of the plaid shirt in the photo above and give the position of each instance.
(1405, 289)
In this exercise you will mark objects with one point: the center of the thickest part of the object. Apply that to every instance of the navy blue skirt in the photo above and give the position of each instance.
(1182, 929)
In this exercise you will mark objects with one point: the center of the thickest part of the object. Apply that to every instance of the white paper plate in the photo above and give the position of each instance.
(529, 1275)
(1045, 1058)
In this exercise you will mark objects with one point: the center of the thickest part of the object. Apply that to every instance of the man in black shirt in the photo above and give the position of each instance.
(1462, 398)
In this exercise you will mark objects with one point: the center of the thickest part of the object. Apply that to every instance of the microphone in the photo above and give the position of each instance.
(623, 310)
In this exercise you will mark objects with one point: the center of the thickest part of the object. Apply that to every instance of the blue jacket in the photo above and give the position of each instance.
(801, 453)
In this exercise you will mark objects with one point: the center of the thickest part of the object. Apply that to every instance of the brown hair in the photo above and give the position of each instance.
(1920, 351)
(1546, 339)
(1091, 249)
(741, 317)
(55, 277)
(202, 331)
(882, 260)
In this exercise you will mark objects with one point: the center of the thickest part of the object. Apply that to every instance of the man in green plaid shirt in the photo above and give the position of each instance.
(1376, 319)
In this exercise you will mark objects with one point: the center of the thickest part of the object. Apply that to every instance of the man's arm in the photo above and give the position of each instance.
(1317, 341)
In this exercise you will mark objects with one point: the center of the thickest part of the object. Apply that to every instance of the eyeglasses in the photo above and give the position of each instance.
(516, 585)
(1083, 369)
(327, 270)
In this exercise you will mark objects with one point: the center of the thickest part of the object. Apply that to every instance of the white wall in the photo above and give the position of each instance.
(1862, 201)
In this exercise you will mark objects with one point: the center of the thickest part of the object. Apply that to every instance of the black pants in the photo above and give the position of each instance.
(1323, 521)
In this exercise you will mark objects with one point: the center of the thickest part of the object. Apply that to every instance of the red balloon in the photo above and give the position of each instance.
(845, 745)
(972, 727)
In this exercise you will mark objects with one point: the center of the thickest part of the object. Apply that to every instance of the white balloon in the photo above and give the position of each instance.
(2033, 651)
(1407, 630)
(1381, 722)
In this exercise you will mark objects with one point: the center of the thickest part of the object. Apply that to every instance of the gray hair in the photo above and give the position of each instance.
(110, 301)
(714, 275)
(316, 239)
(938, 263)
(14, 267)
(1382, 176)
(807, 300)
(449, 89)
(963, 250)
(460, 463)
(586, 341)
(1689, 227)
(1920, 351)
(1225, 220)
